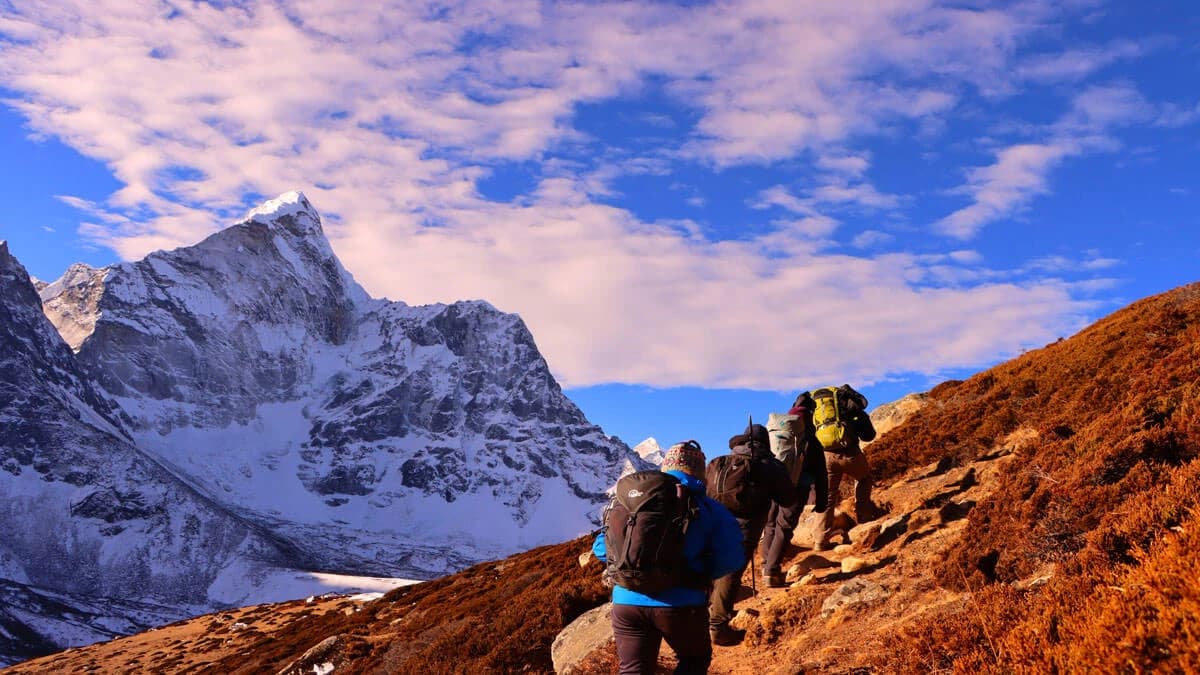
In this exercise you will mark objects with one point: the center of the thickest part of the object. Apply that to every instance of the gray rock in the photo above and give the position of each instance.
(853, 594)
(586, 635)
(321, 658)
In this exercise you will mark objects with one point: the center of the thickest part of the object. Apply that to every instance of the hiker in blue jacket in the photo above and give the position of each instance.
(712, 548)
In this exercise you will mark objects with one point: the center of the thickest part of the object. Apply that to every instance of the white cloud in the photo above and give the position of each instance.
(397, 112)
(1076, 64)
(778, 195)
(861, 194)
(851, 165)
(871, 239)
(1021, 172)
(1017, 176)
(625, 301)
(1057, 264)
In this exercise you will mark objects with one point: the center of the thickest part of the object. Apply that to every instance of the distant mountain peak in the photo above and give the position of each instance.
(649, 450)
(291, 203)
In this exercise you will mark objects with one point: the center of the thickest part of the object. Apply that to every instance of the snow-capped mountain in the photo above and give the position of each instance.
(650, 451)
(375, 436)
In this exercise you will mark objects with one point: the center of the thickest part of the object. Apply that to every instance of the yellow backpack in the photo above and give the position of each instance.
(829, 419)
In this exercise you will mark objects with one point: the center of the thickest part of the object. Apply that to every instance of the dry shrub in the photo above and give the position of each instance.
(1109, 492)
(786, 616)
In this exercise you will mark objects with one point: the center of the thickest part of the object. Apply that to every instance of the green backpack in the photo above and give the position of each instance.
(829, 419)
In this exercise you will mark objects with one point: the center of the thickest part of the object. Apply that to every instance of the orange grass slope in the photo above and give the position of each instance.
(1108, 493)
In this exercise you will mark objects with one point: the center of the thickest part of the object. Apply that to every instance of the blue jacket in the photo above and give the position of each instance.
(712, 545)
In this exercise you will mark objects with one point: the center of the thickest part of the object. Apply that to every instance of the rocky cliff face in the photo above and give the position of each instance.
(84, 511)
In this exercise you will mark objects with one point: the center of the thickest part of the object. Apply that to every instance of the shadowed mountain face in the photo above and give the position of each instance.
(1041, 518)
(244, 400)
(84, 512)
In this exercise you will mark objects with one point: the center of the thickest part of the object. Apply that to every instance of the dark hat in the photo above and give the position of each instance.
(758, 435)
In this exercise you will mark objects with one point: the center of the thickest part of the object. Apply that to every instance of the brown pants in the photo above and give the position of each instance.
(725, 590)
(639, 632)
(854, 465)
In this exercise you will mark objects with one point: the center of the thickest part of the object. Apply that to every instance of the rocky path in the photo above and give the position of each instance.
(842, 607)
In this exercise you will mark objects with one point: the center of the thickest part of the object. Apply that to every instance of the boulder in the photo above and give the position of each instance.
(589, 633)
(865, 533)
(852, 594)
(324, 657)
(876, 535)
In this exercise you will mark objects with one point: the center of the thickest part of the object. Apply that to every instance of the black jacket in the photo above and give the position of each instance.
(854, 409)
(769, 474)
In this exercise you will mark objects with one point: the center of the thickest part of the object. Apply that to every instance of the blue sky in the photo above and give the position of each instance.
(698, 209)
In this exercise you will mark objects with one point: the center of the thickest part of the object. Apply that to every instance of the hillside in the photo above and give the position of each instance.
(1040, 519)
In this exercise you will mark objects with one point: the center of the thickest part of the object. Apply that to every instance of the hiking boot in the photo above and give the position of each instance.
(774, 580)
(726, 635)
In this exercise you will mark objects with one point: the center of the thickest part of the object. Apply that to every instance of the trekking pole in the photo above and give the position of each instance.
(753, 581)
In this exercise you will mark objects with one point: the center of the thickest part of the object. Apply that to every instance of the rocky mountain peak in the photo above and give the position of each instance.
(72, 302)
(292, 203)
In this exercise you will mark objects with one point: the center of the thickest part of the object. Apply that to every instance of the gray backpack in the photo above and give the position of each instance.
(788, 440)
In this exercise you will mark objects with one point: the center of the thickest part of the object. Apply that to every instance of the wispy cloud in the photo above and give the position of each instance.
(1021, 172)
(1077, 64)
(1017, 176)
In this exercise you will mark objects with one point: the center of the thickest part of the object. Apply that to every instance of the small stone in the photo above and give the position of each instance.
(808, 563)
(852, 564)
(865, 532)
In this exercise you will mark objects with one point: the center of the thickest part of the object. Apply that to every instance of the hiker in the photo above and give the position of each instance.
(841, 420)
(661, 568)
(746, 481)
(793, 442)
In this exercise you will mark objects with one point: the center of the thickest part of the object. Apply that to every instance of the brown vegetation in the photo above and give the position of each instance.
(1109, 492)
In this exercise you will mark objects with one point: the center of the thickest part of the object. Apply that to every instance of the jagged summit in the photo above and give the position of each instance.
(292, 203)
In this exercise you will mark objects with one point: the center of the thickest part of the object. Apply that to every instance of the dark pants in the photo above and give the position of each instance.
(781, 525)
(855, 466)
(639, 632)
(725, 590)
